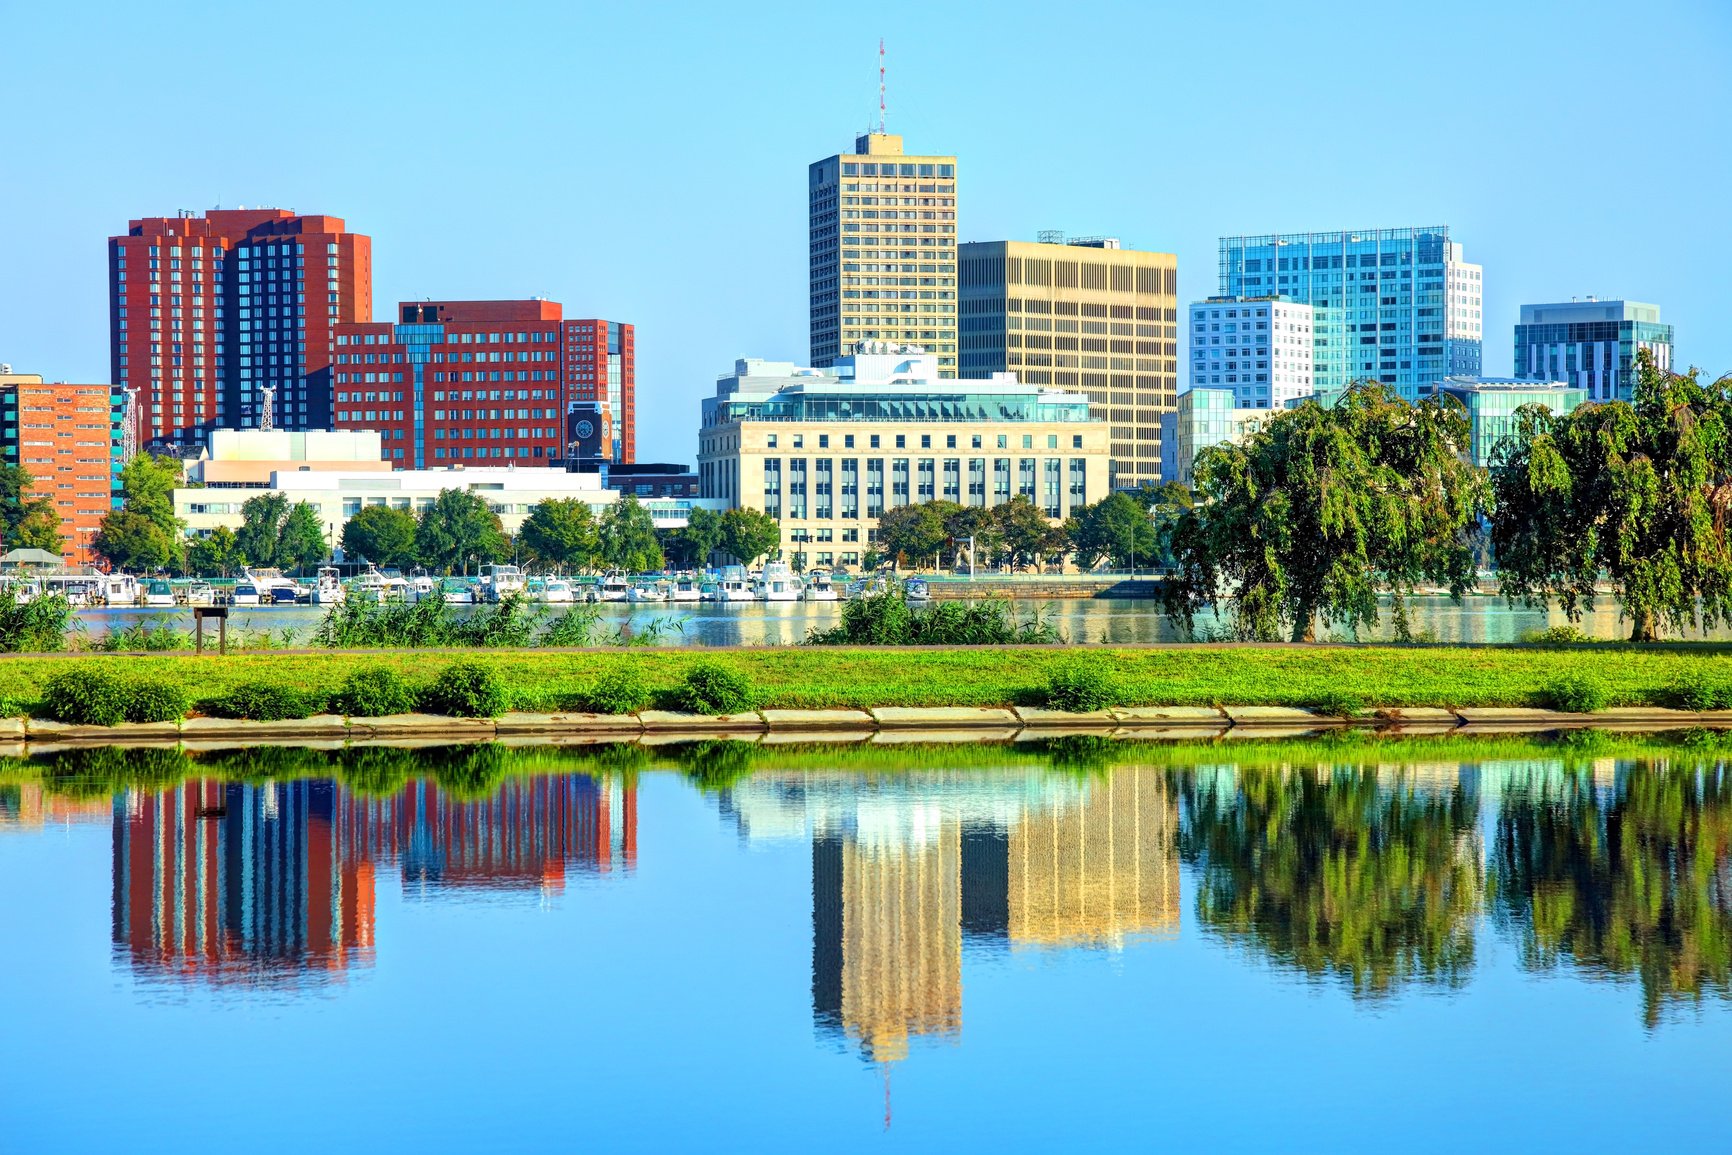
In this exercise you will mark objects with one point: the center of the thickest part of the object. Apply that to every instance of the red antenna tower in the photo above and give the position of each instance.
(880, 86)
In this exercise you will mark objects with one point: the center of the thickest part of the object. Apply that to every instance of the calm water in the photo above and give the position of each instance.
(1095, 620)
(867, 948)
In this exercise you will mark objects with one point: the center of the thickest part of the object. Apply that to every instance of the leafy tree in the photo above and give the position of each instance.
(458, 527)
(262, 528)
(26, 522)
(1023, 528)
(301, 544)
(1339, 873)
(1639, 491)
(1168, 500)
(915, 534)
(702, 535)
(1117, 527)
(627, 538)
(382, 535)
(135, 541)
(560, 532)
(978, 523)
(1320, 509)
(749, 535)
(143, 534)
(215, 554)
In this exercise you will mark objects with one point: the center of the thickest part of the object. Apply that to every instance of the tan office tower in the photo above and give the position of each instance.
(883, 253)
(1083, 315)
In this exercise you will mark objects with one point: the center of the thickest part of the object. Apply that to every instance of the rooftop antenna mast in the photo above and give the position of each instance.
(880, 86)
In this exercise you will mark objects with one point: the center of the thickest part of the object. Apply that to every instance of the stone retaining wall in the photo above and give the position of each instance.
(884, 724)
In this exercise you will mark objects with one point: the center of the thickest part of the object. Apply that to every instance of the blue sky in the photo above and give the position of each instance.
(647, 162)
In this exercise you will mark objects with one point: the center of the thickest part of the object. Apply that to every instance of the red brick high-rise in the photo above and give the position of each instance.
(505, 382)
(208, 313)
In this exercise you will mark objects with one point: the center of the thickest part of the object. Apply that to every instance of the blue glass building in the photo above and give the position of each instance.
(1591, 344)
(1399, 306)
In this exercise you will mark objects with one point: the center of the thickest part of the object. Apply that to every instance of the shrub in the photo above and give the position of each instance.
(376, 692)
(1081, 687)
(713, 689)
(1578, 694)
(620, 690)
(36, 625)
(466, 690)
(1566, 635)
(1702, 694)
(267, 702)
(148, 700)
(1339, 704)
(85, 697)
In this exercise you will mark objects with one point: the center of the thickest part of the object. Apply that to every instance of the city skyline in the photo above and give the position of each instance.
(623, 241)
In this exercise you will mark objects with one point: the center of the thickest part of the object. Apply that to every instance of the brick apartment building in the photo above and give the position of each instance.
(209, 314)
(67, 438)
(455, 382)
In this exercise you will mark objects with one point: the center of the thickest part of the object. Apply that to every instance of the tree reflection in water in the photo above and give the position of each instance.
(1634, 879)
(1338, 871)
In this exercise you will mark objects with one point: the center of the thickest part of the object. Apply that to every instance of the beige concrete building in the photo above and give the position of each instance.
(1083, 315)
(826, 451)
(883, 250)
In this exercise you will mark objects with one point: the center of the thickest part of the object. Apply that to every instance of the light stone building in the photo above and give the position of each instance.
(883, 250)
(826, 451)
(1084, 315)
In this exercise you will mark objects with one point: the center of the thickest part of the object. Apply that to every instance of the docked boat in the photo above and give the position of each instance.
(121, 589)
(455, 591)
(159, 594)
(328, 587)
(551, 591)
(916, 590)
(686, 587)
(867, 586)
(22, 589)
(778, 584)
(733, 586)
(273, 588)
(499, 581)
(613, 587)
(201, 594)
(245, 594)
(820, 586)
(379, 588)
(648, 592)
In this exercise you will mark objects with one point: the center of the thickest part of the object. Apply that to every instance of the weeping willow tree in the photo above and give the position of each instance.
(1638, 491)
(1320, 509)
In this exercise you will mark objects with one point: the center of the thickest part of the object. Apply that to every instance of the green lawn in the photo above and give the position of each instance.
(865, 677)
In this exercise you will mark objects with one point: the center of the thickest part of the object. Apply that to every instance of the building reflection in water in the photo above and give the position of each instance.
(26, 806)
(239, 882)
(275, 882)
(906, 869)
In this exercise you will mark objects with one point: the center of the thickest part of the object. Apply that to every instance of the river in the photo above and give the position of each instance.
(867, 948)
(1096, 620)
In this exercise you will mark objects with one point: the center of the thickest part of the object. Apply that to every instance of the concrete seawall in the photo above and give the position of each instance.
(885, 725)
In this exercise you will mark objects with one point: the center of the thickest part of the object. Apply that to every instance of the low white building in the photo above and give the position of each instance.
(338, 495)
(1260, 348)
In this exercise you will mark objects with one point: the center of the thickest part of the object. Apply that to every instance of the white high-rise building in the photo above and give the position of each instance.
(1261, 349)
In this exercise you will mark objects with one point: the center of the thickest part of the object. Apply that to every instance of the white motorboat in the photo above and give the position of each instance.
(685, 587)
(613, 587)
(159, 594)
(455, 591)
(273, 587)
(328, 587)
(499, 581)
(733, 586)
(551, 591)
(120, 589)
(778, 584)
(200, 594)
(245, 594)
(648, 592)
(820, 586)
(868, 586)
(380, 588)
(916, 590)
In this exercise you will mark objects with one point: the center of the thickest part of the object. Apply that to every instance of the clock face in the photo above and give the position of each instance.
(585, 429)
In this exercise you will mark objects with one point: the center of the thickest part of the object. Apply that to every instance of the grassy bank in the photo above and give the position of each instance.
(867, 677)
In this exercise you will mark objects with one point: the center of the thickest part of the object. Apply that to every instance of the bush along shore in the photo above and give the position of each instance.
(1193, 685)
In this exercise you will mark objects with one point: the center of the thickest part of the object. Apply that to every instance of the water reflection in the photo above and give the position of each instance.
(1377, 875)
(907, 869)
(274, 882)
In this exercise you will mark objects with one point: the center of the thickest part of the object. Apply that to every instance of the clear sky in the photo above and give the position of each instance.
(647, 162)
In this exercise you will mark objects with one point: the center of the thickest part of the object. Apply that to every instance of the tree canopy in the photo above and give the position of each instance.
(627, 538)
(560, 532)
(216, 554)
(701, 536)
(301, 544)
(1118, 528)
(749, 535)
(143, 534)
(1320, 509)
(916, 534)
(26, 521)
(1639, 491)
(458, 529)
(381, 534)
